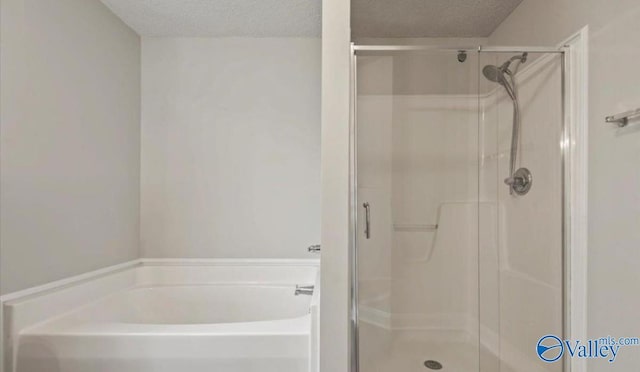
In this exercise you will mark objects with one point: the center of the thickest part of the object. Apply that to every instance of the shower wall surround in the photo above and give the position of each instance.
(521, 236)
(614, 176)
(230, 147)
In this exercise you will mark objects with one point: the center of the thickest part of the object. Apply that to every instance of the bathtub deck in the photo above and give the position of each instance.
(167, 317)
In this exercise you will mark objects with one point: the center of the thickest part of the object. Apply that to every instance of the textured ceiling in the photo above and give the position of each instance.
(258, 18)
(428, 18)
(302, 18)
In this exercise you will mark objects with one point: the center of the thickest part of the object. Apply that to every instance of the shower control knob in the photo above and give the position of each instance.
(520, 182)
(314, 248)
(514, 181)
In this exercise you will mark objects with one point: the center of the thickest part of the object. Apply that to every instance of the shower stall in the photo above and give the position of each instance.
(457, 207)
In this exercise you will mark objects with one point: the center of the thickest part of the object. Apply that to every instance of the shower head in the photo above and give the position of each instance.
(496, 74)
(493, 73)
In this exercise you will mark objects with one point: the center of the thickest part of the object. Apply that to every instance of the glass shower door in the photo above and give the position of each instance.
(458, 206)
(416, 199)
(521, 228)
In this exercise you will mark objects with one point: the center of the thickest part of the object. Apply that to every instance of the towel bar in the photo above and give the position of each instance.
(622, 119)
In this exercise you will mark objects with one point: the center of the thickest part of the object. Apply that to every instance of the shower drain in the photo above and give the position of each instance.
(433, 364)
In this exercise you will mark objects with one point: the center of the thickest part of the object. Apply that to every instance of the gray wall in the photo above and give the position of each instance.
(230, 147)
(614, 171)
(70, 136)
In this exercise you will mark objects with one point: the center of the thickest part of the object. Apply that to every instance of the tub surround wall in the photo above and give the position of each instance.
(70, 140)
(230, 147)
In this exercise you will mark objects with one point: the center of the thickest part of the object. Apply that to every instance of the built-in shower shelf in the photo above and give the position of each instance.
(414, 228)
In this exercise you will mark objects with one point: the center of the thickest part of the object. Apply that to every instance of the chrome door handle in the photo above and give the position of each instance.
(304, 290)
(367, 220)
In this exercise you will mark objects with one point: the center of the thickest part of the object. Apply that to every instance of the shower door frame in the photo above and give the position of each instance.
(573, 145)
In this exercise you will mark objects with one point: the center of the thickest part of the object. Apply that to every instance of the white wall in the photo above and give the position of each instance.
(614, 173)
(70, 95)
(334, 304)
(230, 147)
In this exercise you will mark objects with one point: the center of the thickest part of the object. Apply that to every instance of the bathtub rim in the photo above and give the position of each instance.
(76, 291)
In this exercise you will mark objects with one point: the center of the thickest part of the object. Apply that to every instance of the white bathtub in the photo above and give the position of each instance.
(186, 318)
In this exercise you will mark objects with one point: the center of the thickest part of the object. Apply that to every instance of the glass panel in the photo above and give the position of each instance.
(457, 268)
(417, 186)
(521, 237)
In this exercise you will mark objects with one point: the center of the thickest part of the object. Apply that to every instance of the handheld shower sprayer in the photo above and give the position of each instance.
(519, 181)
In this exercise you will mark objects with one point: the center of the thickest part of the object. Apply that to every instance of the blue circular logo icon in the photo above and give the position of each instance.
(550, 348)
